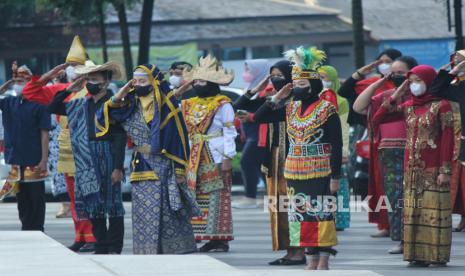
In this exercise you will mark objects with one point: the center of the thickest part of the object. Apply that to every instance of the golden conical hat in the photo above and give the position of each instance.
(77, 52)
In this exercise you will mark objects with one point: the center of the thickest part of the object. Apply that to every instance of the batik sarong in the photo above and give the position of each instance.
(391, 161)
(343, 195)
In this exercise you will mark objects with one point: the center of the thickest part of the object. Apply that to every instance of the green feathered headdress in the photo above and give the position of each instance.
(305, 62)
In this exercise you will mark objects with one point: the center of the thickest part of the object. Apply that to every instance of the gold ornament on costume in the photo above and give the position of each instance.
(208, 69)
(77, 52)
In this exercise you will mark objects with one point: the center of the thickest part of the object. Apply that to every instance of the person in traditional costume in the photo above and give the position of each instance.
(26, 126)
(273, 137)
(450, 85)
(38, 91)
(98, 159)
(313, 164)
(13, 87)
(428, 155)
(390, 138)
(350, 90)
(162, 205)
(58, 187)
(252, 155)
(209, 119)
(331, 85)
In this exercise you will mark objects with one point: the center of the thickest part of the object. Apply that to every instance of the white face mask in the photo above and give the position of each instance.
(175, 81)
(327, 84)
(384, 68)
(70, 73)
(417, 89)
(18, 88)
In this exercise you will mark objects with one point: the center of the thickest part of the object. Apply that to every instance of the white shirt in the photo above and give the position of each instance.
(224, 146)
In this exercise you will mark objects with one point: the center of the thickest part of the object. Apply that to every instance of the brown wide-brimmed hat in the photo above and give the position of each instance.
(90, 67)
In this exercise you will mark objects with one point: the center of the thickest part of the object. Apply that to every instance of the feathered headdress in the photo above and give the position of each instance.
(208, 69)
(305, 62)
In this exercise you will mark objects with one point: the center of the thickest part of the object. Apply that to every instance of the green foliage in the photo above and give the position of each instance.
(236, 162)
(16, 11)
(81, 11)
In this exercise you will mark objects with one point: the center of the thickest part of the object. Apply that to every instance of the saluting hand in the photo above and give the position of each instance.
(77, 85)
(261, 86)
(458, 68)
(55, 72)
(284, 92)
(182, 89)
(367, 69)
(404, 87)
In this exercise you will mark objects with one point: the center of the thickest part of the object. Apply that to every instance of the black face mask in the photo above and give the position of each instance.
(205, 91)
(301, 93)
(398, 80)
(142, 91)
(278, 83)
(94, 88)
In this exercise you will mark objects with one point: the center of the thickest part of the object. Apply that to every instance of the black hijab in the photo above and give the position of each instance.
(285, 67)
(391, 53)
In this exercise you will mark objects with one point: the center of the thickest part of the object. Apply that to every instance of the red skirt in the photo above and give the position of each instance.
(376, 190)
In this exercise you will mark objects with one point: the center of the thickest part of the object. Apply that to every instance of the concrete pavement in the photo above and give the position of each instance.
(251, 250)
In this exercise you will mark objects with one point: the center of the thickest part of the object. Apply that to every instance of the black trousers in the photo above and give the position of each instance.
(109, 238)
(31, 205)
(251, 162)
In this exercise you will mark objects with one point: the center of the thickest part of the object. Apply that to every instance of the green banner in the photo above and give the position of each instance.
(162, 56)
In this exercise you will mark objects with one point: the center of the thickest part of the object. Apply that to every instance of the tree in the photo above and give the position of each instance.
(103, 33)
(82, 12)
(458, 25)
(144, 32)
(120, 7)
(16, 11)
(357, 25)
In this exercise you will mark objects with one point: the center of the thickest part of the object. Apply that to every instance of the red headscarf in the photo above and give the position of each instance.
(427, 74)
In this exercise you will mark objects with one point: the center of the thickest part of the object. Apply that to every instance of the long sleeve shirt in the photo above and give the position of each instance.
(116, 135)
(23, 122)
(39, 92)
(332, 133)
(223, 146)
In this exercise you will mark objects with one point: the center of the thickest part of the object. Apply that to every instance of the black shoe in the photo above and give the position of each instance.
(284, 261)
(76, 246)
(418, 264)
(215, 246)
(88, 247)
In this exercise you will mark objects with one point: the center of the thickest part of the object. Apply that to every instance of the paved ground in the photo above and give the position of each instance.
(251, 249)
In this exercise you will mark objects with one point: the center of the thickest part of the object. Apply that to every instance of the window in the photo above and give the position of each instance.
(267, 52)
(233, 54)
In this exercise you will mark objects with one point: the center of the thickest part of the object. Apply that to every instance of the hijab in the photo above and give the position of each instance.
(330, 71)
(391, 53)
(285, 67)
(427, 74)
(258, 68)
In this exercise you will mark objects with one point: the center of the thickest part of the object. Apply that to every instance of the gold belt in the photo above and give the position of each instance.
(198, 138)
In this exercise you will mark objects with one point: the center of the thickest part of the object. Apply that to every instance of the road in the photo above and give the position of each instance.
(251, 248)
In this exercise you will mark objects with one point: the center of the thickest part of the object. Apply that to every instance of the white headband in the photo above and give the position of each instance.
(141, 74)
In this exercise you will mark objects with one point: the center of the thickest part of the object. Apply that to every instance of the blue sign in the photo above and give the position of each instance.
(434, 52)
